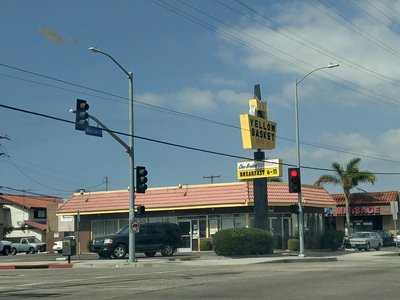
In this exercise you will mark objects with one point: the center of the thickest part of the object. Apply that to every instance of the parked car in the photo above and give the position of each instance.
(396, 240)
(58, 245)
(366, 240)
(151, 238)
(387, 237)
(28, 245)
(5, 247)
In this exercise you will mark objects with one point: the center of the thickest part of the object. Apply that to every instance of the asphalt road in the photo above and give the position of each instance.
(355, 277)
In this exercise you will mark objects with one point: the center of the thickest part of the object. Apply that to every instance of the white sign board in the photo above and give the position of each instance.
(394, 209)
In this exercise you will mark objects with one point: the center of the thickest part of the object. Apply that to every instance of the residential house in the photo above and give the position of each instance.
(29, 216)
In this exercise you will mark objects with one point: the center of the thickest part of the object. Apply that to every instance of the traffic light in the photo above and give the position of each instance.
(141, 210)
(141, 179)
(81, 115)
(294, 180)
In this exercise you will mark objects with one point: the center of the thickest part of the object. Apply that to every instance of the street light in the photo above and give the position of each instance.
(132, 256)
(299, 196)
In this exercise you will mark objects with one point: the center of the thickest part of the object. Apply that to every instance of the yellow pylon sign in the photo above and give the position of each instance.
(257, 131)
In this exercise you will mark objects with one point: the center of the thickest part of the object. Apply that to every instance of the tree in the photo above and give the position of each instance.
(348, 178)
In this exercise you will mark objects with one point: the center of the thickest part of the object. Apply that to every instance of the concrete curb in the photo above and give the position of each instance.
(35, 266)
(304, 259)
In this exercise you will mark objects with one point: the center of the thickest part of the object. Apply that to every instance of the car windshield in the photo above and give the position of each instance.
(361, 235)
(33, 240)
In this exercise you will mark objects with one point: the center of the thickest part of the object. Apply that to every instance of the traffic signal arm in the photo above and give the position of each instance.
(113, 135)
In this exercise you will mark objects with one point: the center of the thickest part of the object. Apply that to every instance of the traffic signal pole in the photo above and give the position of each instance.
(299, 196)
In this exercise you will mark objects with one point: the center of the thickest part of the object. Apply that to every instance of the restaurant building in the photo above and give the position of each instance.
(200, 210)
(368, 211)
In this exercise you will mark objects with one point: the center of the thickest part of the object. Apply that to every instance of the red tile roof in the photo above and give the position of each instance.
(29, 201)
(193, 196)
(368, 198)
(36, 225)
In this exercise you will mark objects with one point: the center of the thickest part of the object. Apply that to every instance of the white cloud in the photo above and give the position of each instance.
(198, 100)
(315, 29)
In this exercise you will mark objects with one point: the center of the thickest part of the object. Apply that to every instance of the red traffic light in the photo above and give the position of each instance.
(294, 173)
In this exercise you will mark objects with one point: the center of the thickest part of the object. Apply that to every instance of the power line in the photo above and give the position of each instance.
(381, 11)
(26, 192)
(356, 29)
(344, 82)
(180, 145)
(289, 34)
(186, 115)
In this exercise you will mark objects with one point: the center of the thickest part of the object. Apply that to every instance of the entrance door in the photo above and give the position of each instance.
(195, 235)
(186, 235)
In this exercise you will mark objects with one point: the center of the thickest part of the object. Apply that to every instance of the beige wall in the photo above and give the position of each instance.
(340, 223)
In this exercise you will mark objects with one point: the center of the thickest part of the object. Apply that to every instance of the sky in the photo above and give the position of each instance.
(202, 58)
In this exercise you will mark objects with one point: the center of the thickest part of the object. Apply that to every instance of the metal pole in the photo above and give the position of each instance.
(132, 256)
(299, 198)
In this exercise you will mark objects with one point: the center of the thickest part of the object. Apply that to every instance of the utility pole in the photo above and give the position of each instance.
(260, 185)
(106, 182)
(211, 177)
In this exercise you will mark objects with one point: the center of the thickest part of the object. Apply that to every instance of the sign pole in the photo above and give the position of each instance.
(260, 196)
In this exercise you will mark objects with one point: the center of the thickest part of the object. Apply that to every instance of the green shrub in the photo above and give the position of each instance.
(206, 244)
(243, 241)
(293, 244)
(312, 240)
(332, 239)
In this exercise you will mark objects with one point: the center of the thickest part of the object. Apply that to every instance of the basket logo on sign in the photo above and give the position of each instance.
(248, 170)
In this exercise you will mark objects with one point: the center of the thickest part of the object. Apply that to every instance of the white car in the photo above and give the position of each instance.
(58, 245)
(396, 240)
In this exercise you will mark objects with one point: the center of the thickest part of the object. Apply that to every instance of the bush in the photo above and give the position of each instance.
(243, 241)
(332, 239)
(206, 244)
(293, 244)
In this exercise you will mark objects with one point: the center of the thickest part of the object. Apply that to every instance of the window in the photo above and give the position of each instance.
(39, 213)
(227, 222)
(240, 221)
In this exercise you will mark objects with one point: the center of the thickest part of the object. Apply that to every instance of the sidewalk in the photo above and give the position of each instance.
(205, 259)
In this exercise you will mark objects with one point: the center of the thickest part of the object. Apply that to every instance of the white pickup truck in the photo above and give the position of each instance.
(27, 245)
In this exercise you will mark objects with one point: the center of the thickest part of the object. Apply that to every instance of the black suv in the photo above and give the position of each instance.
(152, 237)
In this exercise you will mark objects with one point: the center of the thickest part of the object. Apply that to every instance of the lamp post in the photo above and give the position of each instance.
(299, 195)
(132, 257)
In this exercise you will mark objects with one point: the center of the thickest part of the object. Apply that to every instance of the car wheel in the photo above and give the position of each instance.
(6, 251)
(379, 247)
(119, 251)
(31, 250)
(367, 247)
(150, 253)
(167, 250)
(14, 251)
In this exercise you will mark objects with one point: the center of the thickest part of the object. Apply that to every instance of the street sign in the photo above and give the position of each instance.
(135, 227)
(95, 131)
(248, 170)
(394, 209)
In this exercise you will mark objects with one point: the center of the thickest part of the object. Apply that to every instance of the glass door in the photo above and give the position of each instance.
(195, 235)
(186, 235)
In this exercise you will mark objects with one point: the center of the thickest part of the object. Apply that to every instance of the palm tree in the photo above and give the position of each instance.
(348, 178)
